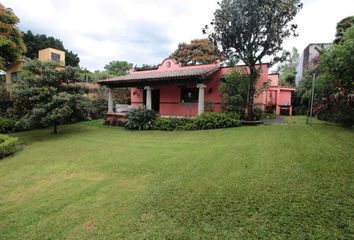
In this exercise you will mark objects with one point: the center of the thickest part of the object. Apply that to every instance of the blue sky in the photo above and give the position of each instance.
(145, 31)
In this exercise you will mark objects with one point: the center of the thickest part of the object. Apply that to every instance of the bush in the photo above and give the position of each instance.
(7, 125)
(171, 124)
(141, 119)
(205, 121)
(215, 120)
(7, 145)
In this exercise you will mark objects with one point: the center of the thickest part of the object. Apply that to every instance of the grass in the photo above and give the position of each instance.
(99, 182)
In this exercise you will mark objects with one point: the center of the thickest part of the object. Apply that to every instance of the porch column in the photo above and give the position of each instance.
(201, 98)
(148, 97)
(110, 101)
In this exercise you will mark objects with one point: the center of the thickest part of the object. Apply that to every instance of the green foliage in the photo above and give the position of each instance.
(48, 96)
(234, 91)
(141, 119)
(7, 145)
(145, 67)
(172, 124)
(335, 84)
(36, 42)
(342, 27)
(210, 120)
(7, 125)
(287, 69)
(11, 42)
(250, 30)
(118, 68)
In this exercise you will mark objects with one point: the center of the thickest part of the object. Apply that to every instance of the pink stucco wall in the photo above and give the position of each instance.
(170, 95)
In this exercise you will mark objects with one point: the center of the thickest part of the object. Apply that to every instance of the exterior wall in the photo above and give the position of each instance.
(170, 95)
(15, 67)
(170, 99)
(44, 55)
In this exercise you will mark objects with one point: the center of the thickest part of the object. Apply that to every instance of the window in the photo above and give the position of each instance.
(15, 76)
(189, 95)
(55, 57)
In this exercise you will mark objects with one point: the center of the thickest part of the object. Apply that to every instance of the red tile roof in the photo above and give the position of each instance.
(162, 75)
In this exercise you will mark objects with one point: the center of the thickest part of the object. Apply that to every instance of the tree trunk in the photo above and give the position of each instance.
(55, 131)
(253, 77)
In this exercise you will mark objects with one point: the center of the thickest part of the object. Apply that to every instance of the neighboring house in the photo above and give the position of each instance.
(309, 57)
(14, 70)
(175, 90)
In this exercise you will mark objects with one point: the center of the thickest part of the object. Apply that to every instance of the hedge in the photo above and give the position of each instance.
(7, 125)
(7, 145)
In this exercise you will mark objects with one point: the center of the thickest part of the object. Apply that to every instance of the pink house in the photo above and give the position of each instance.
(175, 90)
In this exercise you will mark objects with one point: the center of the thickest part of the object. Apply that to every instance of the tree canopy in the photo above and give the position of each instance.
(252, 29)
(198, 51)
(48, 96)
(118, 68)
(342, 27)
(335, 84)
(288, 68)
(36, 42)
(11, 42)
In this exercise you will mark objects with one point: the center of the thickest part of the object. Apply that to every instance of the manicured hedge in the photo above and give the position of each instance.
(7, 125)
(7, 145)
(205, 121)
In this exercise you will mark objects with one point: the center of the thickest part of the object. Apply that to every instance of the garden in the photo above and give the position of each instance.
(94, 181)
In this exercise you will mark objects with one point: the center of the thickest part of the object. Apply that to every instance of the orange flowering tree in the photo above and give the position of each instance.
(199, 51)
(11, 42)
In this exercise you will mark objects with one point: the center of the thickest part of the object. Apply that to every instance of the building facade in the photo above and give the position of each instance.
(14, 70)
(184, 91)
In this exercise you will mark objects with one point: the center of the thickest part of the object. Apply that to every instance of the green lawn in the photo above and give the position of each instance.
(98, 182)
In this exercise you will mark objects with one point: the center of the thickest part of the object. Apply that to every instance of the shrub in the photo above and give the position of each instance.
(7, 125)
(141, 119)
(205, 121)
(7, 145)
(171, 124)
(215, 120)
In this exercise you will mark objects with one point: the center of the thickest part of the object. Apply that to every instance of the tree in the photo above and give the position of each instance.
(342, 27)
(118, 68)
(251, 29)
(288, 68)
(145, 67)
(11, 42)
(48, 96)
(199, 51)
(334, 86)
(234, 91)
(36, 42)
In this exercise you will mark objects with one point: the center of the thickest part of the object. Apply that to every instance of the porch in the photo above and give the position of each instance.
(171, 90)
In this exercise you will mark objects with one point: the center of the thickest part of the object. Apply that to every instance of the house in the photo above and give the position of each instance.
(308, 58)
(14, 70)
(175, 90)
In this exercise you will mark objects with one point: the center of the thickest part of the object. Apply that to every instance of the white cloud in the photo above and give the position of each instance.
(143, 31)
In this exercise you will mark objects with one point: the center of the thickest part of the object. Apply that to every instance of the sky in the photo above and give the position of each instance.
(146, 31)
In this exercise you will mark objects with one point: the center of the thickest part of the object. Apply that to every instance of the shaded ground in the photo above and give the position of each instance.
(99, 182)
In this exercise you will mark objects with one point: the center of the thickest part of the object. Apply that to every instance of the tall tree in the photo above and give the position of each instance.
(36, 42)
(118, 68)
(342, 27)
(251, 29)
(288, 68)
(199, 51)
(48, 96)
(11, 42)
(335, 84)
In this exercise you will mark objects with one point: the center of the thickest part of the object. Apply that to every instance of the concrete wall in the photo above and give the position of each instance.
(15, 67)
(45, 55)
